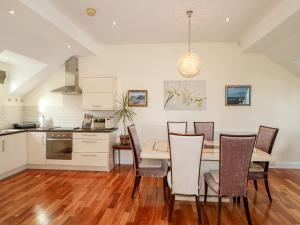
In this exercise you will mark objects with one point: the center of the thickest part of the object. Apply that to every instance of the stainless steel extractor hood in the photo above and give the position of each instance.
(2, 76)
(71, 78)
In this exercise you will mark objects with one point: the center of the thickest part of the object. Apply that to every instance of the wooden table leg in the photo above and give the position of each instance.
(119, 157)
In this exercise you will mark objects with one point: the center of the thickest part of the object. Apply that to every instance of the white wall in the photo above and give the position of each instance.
(275, 92)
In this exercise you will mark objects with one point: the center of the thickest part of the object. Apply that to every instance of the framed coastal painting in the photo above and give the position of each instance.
(185, 95)
(137, 98)
(238, 95)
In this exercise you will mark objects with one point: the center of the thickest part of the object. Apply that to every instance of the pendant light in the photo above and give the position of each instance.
(189, 64)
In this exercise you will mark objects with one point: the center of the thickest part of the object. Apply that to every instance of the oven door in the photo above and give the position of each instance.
(59, 148)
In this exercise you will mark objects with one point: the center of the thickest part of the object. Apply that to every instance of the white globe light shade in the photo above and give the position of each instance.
(189, 64)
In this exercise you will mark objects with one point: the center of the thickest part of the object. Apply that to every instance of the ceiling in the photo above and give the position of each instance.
(42, 30)
(159, 21)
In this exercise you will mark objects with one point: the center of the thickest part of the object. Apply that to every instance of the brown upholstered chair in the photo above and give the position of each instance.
(184, 176)
(232, 177)
(177, 127)
(144, 171)
(259, 170)
(206, 128)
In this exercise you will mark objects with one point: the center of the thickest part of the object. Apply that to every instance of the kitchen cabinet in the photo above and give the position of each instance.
(12, 152)
(36, 147)
(98, 93)
(93, 149)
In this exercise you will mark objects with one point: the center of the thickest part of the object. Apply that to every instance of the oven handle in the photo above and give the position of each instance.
(56, 139)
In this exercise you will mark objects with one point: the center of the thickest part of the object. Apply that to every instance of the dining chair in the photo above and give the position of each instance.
(139, 171)
(231, 178)
(184, 175)
(259, 170)
(206, 128)
(177, 127)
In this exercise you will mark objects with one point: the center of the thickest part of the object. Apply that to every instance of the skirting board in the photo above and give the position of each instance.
(12, 172)
(285, 165)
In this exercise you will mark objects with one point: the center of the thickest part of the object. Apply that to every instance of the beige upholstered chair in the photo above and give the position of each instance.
(231, 179)
(177, 127)
(184, 176)
(259, 170)
(144, 171)
(206, 128)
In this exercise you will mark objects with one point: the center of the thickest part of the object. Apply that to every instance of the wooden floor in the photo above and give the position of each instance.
(66, 197)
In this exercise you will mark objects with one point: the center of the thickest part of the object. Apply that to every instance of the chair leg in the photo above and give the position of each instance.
(238, 199)
(268, 189)
(219, 210)
(205, 192)
(198, 209)
(234, 199)
(139, 181)
(255, 185)
(246, 206)
(136, 183)
(164, 187)
(171, 206)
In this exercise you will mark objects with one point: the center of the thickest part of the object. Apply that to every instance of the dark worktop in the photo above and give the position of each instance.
(79, 130)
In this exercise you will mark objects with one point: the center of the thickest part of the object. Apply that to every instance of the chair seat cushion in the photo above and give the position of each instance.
(255, 168)
(152, 172)
(212, 180)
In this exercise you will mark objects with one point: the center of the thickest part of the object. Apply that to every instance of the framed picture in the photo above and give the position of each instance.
(238, 95)
(137, 98)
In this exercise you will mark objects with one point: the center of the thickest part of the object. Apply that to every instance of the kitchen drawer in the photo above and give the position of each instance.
(91, 135)
(97, 84)
(90, 159)
(89, 145)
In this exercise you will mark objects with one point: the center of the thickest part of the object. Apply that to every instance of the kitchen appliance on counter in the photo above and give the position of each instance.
(101, 122)
(59, 144)
(25, 125)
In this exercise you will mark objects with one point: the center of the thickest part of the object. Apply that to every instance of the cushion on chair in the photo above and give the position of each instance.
(255, 168)
(211, 181)
(152, 172)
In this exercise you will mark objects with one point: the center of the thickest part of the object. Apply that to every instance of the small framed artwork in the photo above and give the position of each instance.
(238, 95)
(137, 98)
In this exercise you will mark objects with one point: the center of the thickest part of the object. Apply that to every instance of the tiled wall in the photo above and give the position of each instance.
(10, 114)
(67, 115)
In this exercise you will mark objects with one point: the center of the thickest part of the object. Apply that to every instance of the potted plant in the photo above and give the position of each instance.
(124, 114)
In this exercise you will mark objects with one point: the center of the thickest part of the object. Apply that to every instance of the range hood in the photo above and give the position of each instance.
(71, 78)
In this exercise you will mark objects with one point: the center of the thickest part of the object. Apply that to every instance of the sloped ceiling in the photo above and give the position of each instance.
(42, 30)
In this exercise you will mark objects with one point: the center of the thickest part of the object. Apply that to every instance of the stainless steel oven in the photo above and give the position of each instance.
(59, 145)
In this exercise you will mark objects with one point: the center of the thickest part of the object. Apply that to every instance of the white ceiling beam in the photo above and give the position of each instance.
(46, 10)
(270, 22)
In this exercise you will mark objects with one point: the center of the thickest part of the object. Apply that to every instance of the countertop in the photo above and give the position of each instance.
(15, 131)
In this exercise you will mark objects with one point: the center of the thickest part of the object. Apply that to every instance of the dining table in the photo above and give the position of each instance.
(154, 152)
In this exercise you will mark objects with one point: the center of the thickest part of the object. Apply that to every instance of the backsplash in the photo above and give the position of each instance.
(69, 114)
(10, 114)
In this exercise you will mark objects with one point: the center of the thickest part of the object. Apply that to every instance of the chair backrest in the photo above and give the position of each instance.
(235, 157)
(177, 127)
(266, 138)
(135, 144)
(206, 128)
(185, 154)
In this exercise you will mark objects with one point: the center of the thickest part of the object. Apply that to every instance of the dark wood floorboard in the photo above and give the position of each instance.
(89, 198)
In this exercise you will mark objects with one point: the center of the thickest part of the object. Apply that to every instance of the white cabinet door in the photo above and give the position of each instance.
(36, 145)
(4, 156)
(97, 84)
(98, 101)
(15, 145)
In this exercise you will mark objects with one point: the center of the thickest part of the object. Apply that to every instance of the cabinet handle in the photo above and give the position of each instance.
(89, 141)
(89, 135)
(88, 155)
(97, 106)
(3, 145)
